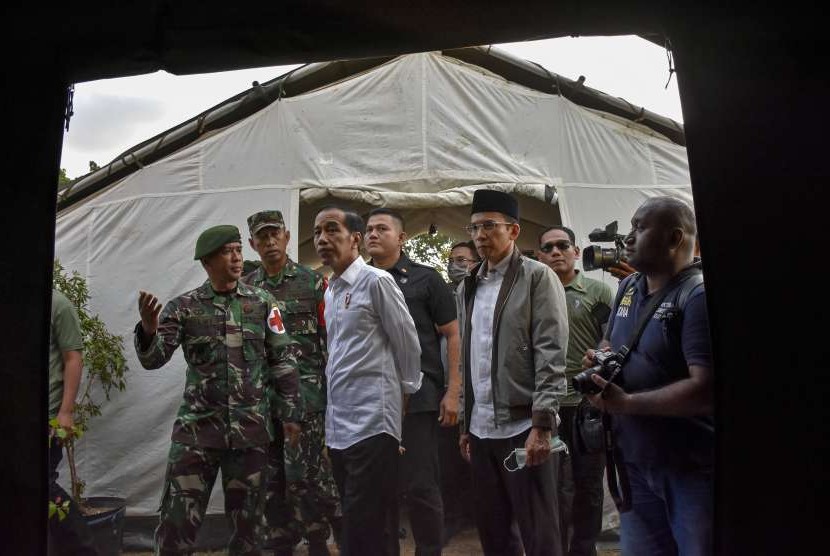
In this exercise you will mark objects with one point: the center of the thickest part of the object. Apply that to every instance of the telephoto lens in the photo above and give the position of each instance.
(594, 257)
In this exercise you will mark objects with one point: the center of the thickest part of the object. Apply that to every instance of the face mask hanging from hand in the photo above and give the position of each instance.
(519, 455)
(456, 272)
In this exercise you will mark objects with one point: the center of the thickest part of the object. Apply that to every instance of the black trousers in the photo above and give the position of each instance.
(518, 509)
(456, 482)
(366, 474)
(70, 536)
(580, 494)
(421, 480)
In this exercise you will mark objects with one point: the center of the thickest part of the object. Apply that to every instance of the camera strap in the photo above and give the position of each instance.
(618, 484)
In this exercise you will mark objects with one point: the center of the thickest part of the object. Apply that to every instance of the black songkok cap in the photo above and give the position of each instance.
(489, 200)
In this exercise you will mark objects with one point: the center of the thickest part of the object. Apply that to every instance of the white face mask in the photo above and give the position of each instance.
(520, 454)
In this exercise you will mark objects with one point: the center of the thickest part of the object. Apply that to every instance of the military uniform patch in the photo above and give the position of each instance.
(275, 321)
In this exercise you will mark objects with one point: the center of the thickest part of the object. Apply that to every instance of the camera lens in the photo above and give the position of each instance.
(590, 255)
(594, 257)
(582, 382)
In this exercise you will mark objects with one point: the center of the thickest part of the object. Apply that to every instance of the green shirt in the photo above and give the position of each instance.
(65, 335)
(589, 306)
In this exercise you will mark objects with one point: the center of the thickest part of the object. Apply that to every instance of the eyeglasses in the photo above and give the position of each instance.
(462, 260)
(487, 226)
(562, 245)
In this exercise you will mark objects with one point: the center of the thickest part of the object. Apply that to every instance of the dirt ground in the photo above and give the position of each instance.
(464, 544)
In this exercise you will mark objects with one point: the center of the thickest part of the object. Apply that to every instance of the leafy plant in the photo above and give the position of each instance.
(105, 367)
(58, 507)
(431, 250)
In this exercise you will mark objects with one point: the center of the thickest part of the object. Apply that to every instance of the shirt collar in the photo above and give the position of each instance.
(497, 268)
(402, 266)
(350, 274)
(205, 291)
(289, 269)
(577, 283)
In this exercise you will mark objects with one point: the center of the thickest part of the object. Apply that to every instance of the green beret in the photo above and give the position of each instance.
(214, 238)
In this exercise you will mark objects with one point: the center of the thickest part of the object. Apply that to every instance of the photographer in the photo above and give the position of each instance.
(661, 401)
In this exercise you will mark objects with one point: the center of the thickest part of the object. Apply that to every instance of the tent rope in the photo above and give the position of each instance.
(669, 56)
(554, 81)
(283, 81)
(135, 160)
(202, 121)
(69, 110)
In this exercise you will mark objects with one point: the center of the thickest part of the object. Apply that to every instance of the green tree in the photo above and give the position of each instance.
(431, 250)
(63, 179)
(105, 367)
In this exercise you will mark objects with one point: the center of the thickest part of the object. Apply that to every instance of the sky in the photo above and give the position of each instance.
(113, 115)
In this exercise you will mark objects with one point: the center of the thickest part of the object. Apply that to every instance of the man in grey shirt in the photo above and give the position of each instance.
(374, 362)
(514, 334)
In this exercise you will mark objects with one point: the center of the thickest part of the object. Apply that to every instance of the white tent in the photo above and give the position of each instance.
(418, 133)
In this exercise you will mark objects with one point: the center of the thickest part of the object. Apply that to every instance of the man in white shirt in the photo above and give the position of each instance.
(374, 362)
(514, 330)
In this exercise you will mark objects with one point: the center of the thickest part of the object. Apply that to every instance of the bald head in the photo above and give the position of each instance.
(662, 237)
(671, 212)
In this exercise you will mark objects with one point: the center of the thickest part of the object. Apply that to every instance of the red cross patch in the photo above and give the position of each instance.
(275, 321)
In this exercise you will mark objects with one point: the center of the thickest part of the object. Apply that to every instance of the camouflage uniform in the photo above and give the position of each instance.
(312, 496)
(237, 367)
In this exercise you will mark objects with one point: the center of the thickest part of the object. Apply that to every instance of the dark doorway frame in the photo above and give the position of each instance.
(754, 97)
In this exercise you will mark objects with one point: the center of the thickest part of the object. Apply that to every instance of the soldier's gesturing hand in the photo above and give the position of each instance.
(149, 309)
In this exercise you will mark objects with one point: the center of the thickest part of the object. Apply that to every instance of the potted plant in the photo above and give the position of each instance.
(105, 369)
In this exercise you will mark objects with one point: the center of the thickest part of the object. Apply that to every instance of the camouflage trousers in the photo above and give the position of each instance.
(302, 497)
(191, 472)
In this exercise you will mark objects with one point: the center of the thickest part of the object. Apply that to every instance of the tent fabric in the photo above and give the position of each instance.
(418, 133)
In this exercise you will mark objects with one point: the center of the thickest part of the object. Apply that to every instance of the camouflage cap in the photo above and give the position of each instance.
(213, 238)
(263, 219)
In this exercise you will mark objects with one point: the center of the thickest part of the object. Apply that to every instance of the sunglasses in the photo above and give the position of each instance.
(562, 245)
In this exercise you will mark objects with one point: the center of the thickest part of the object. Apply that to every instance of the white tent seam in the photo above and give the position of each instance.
(192, 193)
(200, 166)
(628, 186)
(384, 180)
(89, 230)
(651, 163)
(424, 161)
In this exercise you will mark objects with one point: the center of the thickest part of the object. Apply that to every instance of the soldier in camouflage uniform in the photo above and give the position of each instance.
(311, 501)
(238, 358)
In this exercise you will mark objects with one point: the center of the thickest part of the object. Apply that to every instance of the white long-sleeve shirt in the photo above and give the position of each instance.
(374, 356)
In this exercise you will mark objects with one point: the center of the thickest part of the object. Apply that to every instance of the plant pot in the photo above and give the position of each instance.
(107, 527)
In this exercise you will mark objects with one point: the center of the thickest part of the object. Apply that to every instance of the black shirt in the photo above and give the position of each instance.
(431, 303)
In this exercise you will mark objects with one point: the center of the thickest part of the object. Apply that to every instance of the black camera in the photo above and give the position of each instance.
(594, 256)
(608, 363)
